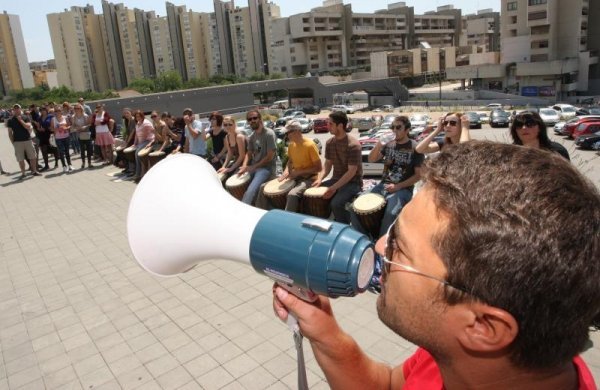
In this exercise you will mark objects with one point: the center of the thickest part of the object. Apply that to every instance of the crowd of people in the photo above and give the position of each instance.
(474, 269)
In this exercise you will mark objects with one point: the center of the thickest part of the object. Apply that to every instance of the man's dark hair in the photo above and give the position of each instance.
(338, 117)
(509, 208)
(218, 116)
(530, 116)
(253, 111)
(404, 120)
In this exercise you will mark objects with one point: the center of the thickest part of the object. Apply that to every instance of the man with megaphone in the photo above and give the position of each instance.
(479, 274)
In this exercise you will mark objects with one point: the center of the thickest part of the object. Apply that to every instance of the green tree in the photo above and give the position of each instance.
(168, 81)
(197, 83)
(143, 85)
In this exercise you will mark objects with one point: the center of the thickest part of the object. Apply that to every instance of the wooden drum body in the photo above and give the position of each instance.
(237, 185)
(155, 157)
(277, 191)
(369, 209)
(129, 153)
(314, 204)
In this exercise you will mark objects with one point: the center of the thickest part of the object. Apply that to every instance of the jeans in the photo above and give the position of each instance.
(259, 176)
(63, 145)
(341, 198)
(395, 202)
(138, 164)
(75, 142)
(86, 149)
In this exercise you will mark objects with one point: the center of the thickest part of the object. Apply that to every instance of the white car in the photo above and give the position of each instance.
(494, 106)
(566, 111)
(419, 120)
(550, 116)
(368, 168)
(343, 108)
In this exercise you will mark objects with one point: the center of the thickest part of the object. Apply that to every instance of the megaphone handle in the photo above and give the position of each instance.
(302, 381)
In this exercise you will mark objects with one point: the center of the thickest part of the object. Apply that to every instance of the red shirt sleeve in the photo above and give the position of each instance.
(421, 372)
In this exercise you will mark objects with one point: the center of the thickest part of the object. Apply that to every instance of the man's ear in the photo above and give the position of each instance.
(487, 328)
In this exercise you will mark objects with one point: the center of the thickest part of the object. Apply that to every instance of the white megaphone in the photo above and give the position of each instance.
(180, 215)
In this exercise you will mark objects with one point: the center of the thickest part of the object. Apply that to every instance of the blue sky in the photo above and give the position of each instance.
(37, 37)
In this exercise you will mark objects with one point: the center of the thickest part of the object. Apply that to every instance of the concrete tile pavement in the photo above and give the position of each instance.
(76, 311)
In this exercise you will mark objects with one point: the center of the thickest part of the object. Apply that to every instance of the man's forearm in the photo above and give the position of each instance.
(345, 179)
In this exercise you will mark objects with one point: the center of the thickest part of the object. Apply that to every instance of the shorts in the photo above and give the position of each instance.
(23, 148)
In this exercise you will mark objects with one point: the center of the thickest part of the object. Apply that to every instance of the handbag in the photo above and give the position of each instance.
(52, 140)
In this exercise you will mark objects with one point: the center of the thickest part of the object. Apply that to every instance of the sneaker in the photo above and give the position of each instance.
(70, 168)
(65, 169)
(3, 173)
(45, 168)
(83, 165)
(36, 174)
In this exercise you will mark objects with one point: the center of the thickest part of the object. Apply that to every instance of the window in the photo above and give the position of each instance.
(511, 6)
(537, 2)
(537, 15)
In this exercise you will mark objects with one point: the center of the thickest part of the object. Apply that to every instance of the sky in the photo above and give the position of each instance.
(37, 36)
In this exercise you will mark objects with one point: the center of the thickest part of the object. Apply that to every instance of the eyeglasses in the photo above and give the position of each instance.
(397, 127)
(391, 246)
(529, 123)
(253, 118)
(451, 123)
(153, 116)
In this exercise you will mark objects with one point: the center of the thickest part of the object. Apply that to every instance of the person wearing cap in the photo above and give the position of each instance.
(303, 165)
(87, 110)
(401, 171)
(19, 132)
(260, 161)
(195, 135)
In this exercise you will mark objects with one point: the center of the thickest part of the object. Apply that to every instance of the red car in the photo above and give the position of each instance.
(320, 125)
(587, 127)
(570, 126)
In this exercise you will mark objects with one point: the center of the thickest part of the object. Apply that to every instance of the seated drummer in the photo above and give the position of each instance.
(401, 171)
(303, 165)
(343, 154)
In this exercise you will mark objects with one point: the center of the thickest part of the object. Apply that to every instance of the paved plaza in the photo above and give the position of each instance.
(77, 312)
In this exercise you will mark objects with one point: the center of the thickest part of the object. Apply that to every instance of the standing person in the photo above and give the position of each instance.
(34, 115)
(401, 172)
(217, 134)
(80, 126)
(260, 161)
(68, 112)
(86, 109)
(528, 129)
(144, 135)
(235, 144)
(343, 154)
(479, 275)
(456, 126)
(104, 138)
(44, 133)
(19, 133)
(195, 136)
(61, 129)
(303, 165)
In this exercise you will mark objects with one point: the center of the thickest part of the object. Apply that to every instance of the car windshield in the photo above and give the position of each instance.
(418, 118)
(568, 109)
(595, 111)
(240, 123)
(547, 111)
(502, 114)
(302, 121)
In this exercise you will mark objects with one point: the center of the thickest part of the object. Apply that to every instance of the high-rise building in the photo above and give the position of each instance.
(174, 14)
(481, 29)
(142, 26)
(113, 49)
(78, 46)
(223, 32)
(14, 67)
(549, 44)
(161, 44)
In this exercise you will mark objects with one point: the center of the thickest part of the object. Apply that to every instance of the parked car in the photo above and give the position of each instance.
(474, 119)
(484, 117)
(419, 120)
(387, 108)
(240, 125)
(589, 111)
(499, 118)
(585, 128)
(320, 125)
(494, 106)
(311, 109)
(343, 108)
(364, 124)
(566, 111)
(550, 116)
(589, 141)
(306, 124)
(572, 124)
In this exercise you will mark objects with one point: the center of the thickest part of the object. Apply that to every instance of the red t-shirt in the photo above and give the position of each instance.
(422, 373)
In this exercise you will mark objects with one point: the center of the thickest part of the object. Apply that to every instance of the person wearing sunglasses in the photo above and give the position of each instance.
(343, 155)
(528, 129)
(217, 134)
(235, 144)
(401, 172)
(456, 128)
(260, 160)
(492, 294)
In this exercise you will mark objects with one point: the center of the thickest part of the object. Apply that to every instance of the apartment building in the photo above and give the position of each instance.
(14, 67)
(440, 28)
(162, 52)
(549, 46)
(130, 43)
(79, 54)
(142, 26)
(412, 62)
(481, 29)
(223, 32)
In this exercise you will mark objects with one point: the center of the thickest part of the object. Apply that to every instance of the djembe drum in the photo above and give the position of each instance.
(277, 191)
(237, 185)
(369, 209)
(155, 157)
(314, 204)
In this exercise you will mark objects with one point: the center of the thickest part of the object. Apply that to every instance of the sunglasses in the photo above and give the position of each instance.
(529, 123)
(153, 116)
(253, 118)
(227, 124)
(397, 127)
(391, 247)
(451, 123)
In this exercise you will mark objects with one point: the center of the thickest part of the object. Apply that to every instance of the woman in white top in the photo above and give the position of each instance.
(80, 126)
(104, 138)
(61, 128)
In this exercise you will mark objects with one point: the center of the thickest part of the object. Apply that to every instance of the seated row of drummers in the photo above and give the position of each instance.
(302, 188)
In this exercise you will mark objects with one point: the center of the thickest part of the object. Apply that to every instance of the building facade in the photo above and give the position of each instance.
(14, 67)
